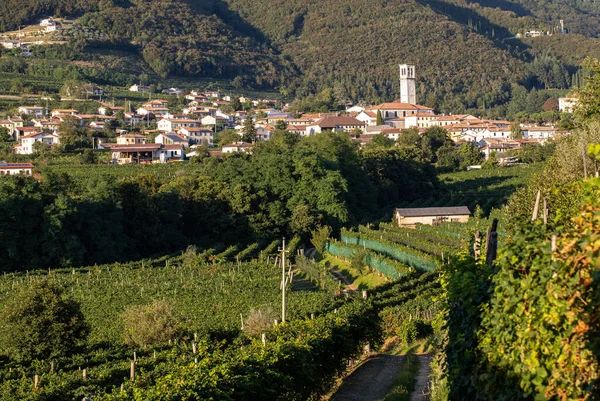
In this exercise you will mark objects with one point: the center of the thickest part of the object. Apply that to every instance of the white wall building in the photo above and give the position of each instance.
(27, 142)
(15, 168)
(408, 92)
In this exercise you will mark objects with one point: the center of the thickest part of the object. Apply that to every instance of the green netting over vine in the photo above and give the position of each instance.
(395, 253)
(373, 261)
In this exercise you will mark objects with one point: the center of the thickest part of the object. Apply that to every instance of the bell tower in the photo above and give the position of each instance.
(408, 93)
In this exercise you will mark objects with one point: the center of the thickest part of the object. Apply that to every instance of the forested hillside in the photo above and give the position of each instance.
(466, 54)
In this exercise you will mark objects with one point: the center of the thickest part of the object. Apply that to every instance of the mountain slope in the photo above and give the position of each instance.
(465, 51)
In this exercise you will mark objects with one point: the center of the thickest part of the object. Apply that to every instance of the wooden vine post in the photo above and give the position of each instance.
(284, 280)
(492, 243)
(477, 245)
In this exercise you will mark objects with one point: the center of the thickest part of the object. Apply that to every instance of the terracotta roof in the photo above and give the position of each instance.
(333, 122)
(196, 129)
(171, 147)
(138, 147)
(34, 134)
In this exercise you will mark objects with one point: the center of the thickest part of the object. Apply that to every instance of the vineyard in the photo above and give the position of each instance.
(490, 189)
(211, 293)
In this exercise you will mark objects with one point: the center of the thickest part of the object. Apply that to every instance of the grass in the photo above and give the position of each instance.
(404, 385)
(364, 280)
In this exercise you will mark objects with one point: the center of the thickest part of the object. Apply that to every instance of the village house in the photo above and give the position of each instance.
(335, 123)
(27, 142)
(392, 133)
(237, 147)
(367, 117)
(174, 125)
(32, 111)
(410, 217)
(419, 120)
(355, 109)
(444, 121)
(64, 112)
(154, 107)
(398, 109)
(20, 132)
(132, 118)
(139, 88)
(214, 120)
(536, 132)
(171, 139)
(567, 104)
(12, 124)
(10, 44)
(198, 135)
(212, 94)
(172, 91)
(396, 122)
(146, 153)
(15, 168)
(487, 146)
(94, 90)
(131, 139)
(47, 125)
(106, 110)
(97, 125)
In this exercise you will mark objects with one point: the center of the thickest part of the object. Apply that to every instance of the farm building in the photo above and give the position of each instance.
(15, 168)
(410, 217)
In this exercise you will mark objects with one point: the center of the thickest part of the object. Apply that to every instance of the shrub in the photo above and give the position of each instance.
(149, 324)
(259, 320)
(412, 330)
(40, 323)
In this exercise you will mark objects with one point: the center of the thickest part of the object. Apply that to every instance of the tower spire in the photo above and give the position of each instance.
(408, 92)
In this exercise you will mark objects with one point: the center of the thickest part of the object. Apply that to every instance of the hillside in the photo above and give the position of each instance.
(465, 51)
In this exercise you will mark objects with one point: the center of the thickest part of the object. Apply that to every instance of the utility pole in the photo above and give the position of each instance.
(283, 280)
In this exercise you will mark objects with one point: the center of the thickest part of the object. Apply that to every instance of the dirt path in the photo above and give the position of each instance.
(344, 279)
(421, 392)
(372, 380)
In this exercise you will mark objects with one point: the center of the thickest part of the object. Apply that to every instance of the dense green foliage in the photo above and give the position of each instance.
(528, 328)
(38, 322)
(300, 360)
(85, 214)
(303, 50)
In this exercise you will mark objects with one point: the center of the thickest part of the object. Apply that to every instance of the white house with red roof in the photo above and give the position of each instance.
(175, 124)
(335, 123)
(15, 168)
(27, 142)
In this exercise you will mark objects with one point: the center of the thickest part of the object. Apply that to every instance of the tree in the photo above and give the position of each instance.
(249, 131)
(588, 107)
(382, 141)
(74, 135)
(40, 322)
(433, 139)
(281, 125)
(226, 137)
(447, 157)
(5, 135)
(149, 324)
(469, 155)
(379, 118)
(319, 238)
(236, 104)
(515, 131)
(88, 157)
